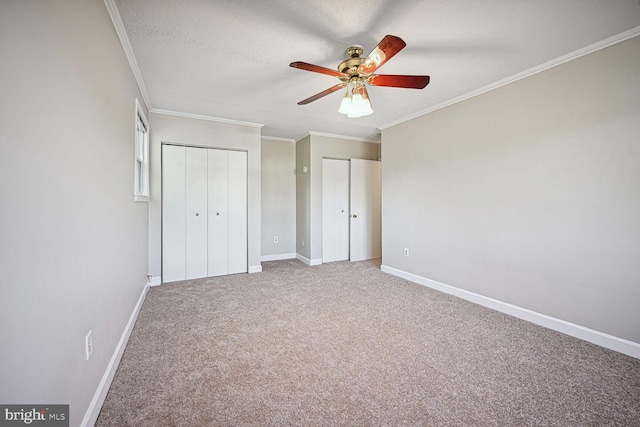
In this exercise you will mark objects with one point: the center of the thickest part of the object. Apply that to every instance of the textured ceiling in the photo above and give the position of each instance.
(230, 59)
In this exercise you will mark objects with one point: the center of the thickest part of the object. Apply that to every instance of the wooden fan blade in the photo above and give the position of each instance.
(323, 93)
(386, 49)
(317, 69)
(391, 80)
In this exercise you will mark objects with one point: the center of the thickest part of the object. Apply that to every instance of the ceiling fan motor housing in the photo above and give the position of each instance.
(350, 66)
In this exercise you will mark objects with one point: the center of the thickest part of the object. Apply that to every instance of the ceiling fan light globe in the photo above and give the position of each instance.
(358, 104)
(345, 105)
(367, 110)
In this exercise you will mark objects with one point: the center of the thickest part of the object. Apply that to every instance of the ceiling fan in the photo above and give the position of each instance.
(355, 71)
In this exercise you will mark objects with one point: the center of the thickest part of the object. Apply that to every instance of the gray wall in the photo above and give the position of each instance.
(278, 198)
(203, 133)
(529, 194)
(73, 243)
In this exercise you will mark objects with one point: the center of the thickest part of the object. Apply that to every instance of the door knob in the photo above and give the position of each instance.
(342, 210)
(355, 216)
(217, 213)
(197, 214)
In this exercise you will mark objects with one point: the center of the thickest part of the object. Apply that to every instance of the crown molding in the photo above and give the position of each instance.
(633, 32)
(350, 138)
(128, 50)
(202, 117)
(276, 138)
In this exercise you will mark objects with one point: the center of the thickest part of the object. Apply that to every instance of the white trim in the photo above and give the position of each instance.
(531, 71)
(350, 138)
(128, 50)
(255, 269)
(156, 281)
(611, 342)
(202, 117)
(95, 406)
(277, 257)
(276, 138)
(309, 262)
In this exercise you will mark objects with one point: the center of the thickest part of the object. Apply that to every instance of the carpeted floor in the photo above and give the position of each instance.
(345, 344)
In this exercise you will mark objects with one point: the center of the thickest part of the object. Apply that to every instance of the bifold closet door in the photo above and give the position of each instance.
(204, 212)
(227, 237)
(237, 206)
(184, 213)
(218, 236)
(174, 223)
(196, 212)
(335, 210)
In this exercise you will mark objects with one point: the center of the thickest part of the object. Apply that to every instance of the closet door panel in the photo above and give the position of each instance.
(196, 212)
(366, 184)
(218, 236)
(237, 199)
(173, 218)
(335, 210)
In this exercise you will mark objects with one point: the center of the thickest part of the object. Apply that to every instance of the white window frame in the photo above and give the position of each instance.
(141, 156)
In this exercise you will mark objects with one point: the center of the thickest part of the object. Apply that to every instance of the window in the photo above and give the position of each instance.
(141, 174)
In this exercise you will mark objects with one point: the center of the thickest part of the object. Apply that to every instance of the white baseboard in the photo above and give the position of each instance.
(255, 269)
(277, 257)
(310, 262)
(611, 342)
(156, 281)
(95, 406)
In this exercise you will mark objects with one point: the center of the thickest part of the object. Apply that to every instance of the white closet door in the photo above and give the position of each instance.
(173, 218)
(335, 210)
(237, 197)
(204, 212)
(366, 184)
(196, 212)
(218, 212)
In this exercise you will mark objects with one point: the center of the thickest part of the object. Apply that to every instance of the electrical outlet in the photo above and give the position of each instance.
(406, 252)
(275, 239)
(88, 344)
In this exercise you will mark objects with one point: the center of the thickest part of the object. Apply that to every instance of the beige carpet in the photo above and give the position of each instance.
(345, 344)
